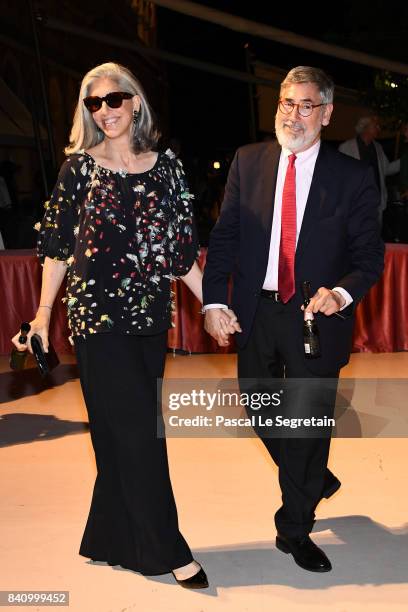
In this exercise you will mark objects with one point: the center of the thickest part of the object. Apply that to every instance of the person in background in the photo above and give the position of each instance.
(403, 177)
(9, 203)
(5, 207)
(365, 147)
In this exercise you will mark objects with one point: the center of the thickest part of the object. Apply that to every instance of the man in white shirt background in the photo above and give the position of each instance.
(365, 147)
(294, 210)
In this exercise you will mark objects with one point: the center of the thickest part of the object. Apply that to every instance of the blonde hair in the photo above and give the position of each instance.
(85, 133)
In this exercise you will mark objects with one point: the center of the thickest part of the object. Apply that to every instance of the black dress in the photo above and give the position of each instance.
(124, 237)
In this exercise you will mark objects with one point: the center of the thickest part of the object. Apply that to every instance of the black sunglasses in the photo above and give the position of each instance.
(113, 99)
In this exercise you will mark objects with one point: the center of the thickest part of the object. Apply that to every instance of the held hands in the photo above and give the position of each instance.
(40, 326)
(220, 323)
(326, 301)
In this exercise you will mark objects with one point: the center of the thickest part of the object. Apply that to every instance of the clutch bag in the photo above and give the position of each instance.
(45, 361)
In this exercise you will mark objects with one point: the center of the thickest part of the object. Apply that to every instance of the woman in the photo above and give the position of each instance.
(120, 221)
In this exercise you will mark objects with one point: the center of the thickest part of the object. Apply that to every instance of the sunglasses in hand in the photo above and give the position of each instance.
(113, 99)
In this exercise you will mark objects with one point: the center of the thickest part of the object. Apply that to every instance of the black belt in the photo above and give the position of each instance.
(271, 295)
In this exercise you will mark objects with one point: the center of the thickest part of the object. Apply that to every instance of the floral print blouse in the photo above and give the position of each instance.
(123, 236)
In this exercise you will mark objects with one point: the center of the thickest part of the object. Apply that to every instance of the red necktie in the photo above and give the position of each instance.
(286, 272)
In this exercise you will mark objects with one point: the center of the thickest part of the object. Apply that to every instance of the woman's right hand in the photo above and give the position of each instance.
(40, 325)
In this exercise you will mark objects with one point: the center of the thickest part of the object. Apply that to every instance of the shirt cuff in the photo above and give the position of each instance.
(346, 296)
(209, 306)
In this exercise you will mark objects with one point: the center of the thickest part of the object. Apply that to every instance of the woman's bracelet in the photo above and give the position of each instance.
(45, 306)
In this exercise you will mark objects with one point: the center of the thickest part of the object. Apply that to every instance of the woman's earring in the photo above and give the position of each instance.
(136, 115)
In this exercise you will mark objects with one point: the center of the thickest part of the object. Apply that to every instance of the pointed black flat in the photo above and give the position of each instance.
(198, 581)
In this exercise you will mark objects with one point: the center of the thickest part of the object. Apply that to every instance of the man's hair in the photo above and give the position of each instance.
(307, 74)
(362, 123)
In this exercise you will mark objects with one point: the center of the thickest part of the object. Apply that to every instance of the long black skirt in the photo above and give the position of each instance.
(133, 517)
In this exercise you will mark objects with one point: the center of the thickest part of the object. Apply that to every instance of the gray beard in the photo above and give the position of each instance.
(294, 143)
(288, 141)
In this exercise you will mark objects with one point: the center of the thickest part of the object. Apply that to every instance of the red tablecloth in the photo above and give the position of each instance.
(382, 316)
(381, 319)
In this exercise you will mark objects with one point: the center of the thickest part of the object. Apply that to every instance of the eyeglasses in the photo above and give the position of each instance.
(113, 99)
(305, 108)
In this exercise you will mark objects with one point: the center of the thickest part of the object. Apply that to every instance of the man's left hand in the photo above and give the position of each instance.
(326, 301)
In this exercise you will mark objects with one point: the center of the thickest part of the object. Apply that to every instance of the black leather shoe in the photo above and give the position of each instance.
(198, 581)
(305, 553)
(331, 485)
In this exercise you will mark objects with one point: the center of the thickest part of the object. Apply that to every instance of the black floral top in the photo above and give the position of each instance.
(124, 237)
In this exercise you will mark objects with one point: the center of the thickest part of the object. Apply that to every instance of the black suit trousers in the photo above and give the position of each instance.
(273, 351)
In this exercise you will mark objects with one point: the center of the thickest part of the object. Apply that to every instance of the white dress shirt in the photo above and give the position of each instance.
(304, 165)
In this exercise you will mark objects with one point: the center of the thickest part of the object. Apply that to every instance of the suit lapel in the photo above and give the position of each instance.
(315, 205)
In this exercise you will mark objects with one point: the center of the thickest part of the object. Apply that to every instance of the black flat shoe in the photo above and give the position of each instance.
(198, 581)
(305, 553)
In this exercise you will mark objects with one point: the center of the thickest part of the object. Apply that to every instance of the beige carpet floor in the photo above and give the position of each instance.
(226, 492)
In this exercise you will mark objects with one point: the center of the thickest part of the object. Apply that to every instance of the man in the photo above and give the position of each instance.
(294, 211)
(366, 148)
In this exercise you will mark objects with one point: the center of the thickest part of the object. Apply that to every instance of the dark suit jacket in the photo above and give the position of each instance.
(339, 242)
